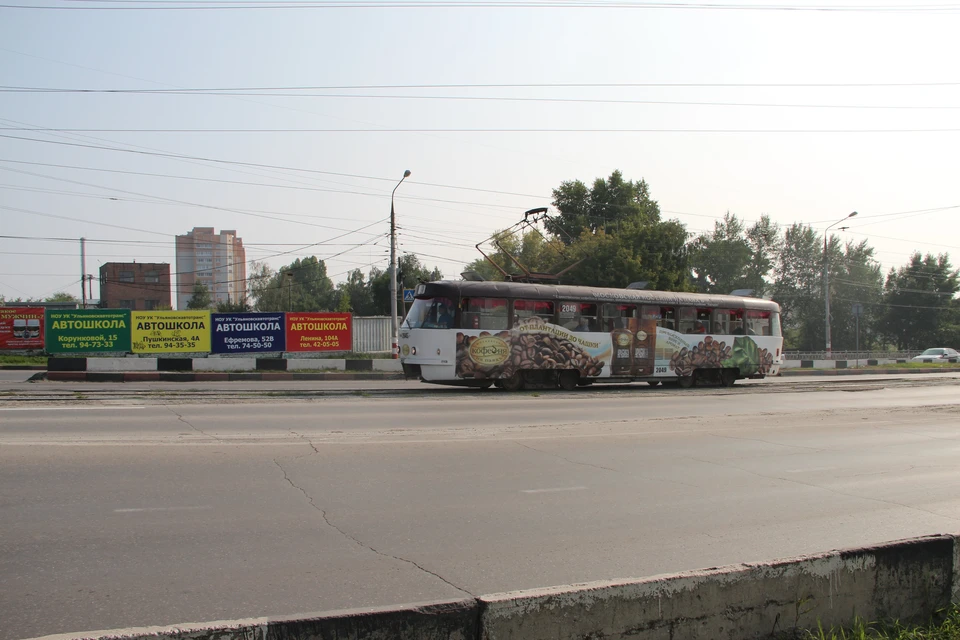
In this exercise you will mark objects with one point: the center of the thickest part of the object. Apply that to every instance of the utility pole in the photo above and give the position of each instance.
(826, 281)
(83, 271)
(395, 352)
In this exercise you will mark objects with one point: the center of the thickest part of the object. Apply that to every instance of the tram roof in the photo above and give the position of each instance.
(468, 288)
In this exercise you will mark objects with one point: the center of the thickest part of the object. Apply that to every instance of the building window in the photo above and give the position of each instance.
(126, 276)
(151, 276)
(128, 304)
(151, 304)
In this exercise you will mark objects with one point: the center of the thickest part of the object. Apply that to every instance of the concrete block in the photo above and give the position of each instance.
(841, 364)
(444, 620)
(359, 365)
(224, 364)
(271, 364)
(824, 364)
(175, 364)
(66, 364)
(907, 580)
(387, 365)
(121, 364)
(294, 364)
(806, 364)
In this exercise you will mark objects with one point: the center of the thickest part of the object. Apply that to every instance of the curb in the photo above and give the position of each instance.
(204, 376)
(788, 373)
(23, 367)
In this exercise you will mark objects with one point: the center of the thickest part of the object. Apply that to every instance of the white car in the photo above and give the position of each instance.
(937, 355)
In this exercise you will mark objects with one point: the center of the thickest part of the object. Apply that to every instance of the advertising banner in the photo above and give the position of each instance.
(319, 332)
(247, 332)
(159, 332)
(21, 328)
(87, 330)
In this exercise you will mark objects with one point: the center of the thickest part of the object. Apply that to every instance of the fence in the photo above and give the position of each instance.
(371, 334)
(850, 355)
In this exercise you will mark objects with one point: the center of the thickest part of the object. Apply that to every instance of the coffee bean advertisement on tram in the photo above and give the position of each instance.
(170, 331)
(87, 330)
(319, 331)
(248, 332)
(21, 328)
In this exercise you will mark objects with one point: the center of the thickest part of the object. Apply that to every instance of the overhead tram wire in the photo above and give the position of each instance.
(201, 5)
(489, 130)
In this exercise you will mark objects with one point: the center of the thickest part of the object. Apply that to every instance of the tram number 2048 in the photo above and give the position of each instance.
(659, 369)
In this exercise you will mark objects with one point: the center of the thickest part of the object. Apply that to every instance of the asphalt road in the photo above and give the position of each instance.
(165, 512)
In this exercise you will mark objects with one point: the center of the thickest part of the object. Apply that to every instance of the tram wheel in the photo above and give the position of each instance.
(728, 377)
(485, 385)
(653, 383)
(686, 382)
(568, 379)
(513, 383)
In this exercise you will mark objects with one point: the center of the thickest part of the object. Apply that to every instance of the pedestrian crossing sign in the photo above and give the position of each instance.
(408, 295)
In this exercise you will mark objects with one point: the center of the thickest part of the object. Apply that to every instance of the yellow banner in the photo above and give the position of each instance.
(170, 331)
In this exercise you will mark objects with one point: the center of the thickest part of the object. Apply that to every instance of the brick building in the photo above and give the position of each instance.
(217, 260)
(135, 285)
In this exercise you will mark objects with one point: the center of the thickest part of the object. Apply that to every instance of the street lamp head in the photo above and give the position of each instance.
(852, 214)
(406, 174)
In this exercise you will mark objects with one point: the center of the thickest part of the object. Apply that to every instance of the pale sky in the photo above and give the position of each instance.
(808, 153)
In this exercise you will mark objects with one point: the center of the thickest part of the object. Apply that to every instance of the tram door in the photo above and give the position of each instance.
(633, 337)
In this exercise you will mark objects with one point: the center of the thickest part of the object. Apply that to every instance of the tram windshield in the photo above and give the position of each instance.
(430, 313)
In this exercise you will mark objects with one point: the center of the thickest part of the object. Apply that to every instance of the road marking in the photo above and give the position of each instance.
(149, 509)
(103, 408)
(554, 490)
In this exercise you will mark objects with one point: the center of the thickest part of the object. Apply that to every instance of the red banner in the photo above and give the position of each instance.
(21, 328)
(319, 332)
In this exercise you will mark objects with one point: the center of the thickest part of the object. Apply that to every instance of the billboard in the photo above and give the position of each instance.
(21, 328)
(247, 332)
(159, 332)
(319, 331)
(87, 330)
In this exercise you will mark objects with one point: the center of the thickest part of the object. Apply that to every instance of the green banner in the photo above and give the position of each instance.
(87, 330)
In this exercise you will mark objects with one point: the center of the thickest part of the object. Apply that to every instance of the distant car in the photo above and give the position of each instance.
(937, 355)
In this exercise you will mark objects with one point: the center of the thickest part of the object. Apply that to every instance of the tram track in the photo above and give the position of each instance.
(42, 394)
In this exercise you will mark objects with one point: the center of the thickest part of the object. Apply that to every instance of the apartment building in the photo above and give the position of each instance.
(135, 285)
(215, 259)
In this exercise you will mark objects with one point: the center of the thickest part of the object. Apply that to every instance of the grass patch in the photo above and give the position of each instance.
(22, 360)
(949, 629)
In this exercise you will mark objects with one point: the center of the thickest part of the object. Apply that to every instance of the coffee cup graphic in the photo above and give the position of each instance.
(19, 328)
(33, 328)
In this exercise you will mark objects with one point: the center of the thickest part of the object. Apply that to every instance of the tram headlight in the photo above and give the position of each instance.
(413, 350)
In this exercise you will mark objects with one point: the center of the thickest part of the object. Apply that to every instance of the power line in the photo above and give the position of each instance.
(476, 130)
(173, 5)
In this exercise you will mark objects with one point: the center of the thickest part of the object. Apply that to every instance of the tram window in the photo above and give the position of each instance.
(484, 313)
(617, 316)
(727, 322)
(578, 316)
(668, 318)
(430, 313)
(524, 309)
(759, 323)
(688, 319)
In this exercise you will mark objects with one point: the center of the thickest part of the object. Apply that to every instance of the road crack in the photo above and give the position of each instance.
(193, 426)
(357, 541)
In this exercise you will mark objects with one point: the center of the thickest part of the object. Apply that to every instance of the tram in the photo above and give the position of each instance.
(514, 334)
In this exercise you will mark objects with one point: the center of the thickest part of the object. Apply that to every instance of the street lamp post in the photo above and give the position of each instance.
(826, 281)
(393, 269)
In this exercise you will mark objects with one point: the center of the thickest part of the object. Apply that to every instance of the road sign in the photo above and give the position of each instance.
(408, 295)
(857, 309)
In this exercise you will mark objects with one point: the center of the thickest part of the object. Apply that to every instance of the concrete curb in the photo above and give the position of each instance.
(907, 580)
(204, 376)
(23, 367)
(860, 372)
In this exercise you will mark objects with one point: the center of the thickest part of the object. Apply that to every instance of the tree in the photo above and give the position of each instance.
(410, 272)
(61, 296)
(533, 251)
(356, 292)
(798, 287)
(230, 306)
(856, 279)
(604, 207)
(735, 257)
(302, 285)
(201, 297)
(920, 311)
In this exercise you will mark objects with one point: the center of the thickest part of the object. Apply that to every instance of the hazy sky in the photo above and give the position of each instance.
(808, 142)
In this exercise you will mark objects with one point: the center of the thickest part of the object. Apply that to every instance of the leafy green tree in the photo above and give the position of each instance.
(530, 248)
(920, 309)
(230, 306)
(356, 291)
(798, 287)
(61, 296)
(410, 272)
(603, 207)
(201, 297)
(302, 285)
(735, 257)
(857, 278)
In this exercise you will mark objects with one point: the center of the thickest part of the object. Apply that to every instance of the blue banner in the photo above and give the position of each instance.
(247, 332)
